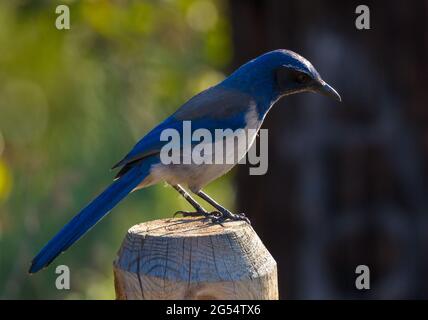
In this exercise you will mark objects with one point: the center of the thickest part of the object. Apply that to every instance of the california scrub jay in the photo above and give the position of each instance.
(241, 101)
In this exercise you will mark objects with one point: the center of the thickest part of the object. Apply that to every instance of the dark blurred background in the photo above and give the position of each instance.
(346, 182)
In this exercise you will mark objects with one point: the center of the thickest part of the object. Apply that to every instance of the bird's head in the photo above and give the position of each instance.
(280, 73)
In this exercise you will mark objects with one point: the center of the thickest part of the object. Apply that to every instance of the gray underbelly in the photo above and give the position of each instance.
(196, 176)
(193, 176)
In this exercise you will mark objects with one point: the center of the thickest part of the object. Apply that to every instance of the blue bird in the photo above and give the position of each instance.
(241, 101)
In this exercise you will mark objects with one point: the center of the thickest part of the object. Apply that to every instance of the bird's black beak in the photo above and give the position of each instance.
(327, 90)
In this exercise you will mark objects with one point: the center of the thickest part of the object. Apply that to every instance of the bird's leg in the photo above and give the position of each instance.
(225, 214)
(200, 211)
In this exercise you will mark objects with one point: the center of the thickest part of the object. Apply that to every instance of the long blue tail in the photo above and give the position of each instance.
(90, 215)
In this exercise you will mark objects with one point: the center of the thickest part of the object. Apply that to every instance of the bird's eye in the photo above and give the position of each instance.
(287, 77)
(302, 78)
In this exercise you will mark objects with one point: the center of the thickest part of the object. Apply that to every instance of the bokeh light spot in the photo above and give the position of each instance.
(202, 15)
(207, 79)
(5, 180)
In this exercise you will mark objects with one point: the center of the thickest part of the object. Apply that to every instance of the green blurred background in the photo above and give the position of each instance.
(72, 103)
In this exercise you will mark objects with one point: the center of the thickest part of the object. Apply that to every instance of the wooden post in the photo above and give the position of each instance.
(191, 258)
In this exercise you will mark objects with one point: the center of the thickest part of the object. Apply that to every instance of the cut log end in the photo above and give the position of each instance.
(192, 258)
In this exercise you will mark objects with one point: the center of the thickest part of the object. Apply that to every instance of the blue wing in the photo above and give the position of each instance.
(215, 108)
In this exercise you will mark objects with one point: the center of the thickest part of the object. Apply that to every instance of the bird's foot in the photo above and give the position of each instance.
(199, 213)
(226, 214)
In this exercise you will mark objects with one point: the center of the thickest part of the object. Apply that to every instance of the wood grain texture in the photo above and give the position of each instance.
(191, 258)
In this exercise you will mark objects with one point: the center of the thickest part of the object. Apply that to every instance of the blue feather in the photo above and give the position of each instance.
(91, 214)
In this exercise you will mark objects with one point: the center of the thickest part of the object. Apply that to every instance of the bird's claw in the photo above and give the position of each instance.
(214, 216)
(234, 217)
(242, 216)
(206, 214)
